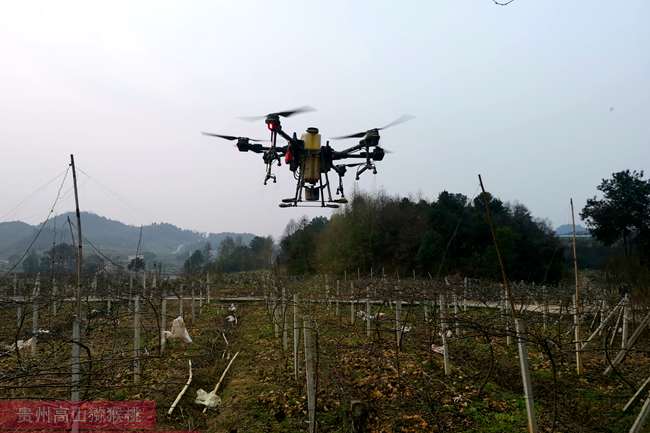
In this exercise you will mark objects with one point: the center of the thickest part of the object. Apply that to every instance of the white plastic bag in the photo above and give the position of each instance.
(207, 399)
(22, 344)
(179, 331)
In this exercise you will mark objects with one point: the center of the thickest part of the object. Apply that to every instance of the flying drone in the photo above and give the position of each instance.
(310, 162)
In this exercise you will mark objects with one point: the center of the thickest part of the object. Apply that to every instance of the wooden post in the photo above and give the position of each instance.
(576, 300)
(180, 302)
(525, 375)
(308, 333)
(136, 339)
(296, 336)
(352, 311)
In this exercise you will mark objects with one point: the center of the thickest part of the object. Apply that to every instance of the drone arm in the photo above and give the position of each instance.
(354, 148)
(258, 148)
(283, 134)
(336, 156)
(376, 155)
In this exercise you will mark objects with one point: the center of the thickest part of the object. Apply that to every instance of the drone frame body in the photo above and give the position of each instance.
(310, 162)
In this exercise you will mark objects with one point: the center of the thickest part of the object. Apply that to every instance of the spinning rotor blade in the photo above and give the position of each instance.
(401, 119)
(232, 137)
(288, 113)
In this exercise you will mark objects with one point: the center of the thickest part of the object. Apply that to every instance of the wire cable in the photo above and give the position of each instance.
(33, 193)
(40, 229)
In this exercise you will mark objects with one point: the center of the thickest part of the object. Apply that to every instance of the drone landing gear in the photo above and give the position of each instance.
(268, 177)
(312, 194)
(367, 166)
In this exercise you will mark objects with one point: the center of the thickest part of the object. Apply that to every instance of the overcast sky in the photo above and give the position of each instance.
(543, 98)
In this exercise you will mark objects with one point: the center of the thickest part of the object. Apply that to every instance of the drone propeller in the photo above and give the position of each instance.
(232, 137)
(287, 113)
(397, 121)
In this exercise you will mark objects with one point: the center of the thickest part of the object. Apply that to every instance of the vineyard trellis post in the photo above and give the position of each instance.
(192, 306)
(398, 324)
(130, 290)
(136, 339)
(285, 323)
(35, 295)
(368, 317)
(163, 321)
(336, 306)
(180, 302)
(640, 420)
(54, 296)
(456, 324)
(626, 321)
(525, 375)
(443, 332)
(208, 288)
(308, 337)
(76, 321)
(576, 299)
(296, 336)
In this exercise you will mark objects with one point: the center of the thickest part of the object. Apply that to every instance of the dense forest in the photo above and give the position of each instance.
(447, 235)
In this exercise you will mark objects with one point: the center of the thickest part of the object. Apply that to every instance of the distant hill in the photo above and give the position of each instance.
(567, 230)
(115, 239)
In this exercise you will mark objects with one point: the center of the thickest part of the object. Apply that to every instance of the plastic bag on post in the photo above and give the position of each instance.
(179, 331)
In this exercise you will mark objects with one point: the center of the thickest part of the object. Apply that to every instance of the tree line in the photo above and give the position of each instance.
(435, 238)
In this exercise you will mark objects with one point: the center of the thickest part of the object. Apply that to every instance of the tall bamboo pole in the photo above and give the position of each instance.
(496, 247)
(76, 321)
(578, 344)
